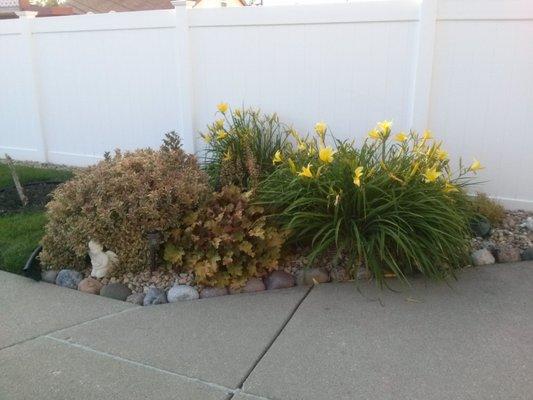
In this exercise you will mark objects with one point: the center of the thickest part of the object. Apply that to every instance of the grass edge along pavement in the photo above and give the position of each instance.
(21, 232)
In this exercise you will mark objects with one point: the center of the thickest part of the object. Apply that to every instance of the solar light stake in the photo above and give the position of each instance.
(154, 239)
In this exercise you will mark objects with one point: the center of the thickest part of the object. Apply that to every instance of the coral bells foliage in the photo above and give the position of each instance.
(118, 201)
(393, 205)
(240, 146)
(226, 241)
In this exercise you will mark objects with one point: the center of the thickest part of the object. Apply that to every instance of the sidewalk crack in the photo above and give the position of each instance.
(269, 345)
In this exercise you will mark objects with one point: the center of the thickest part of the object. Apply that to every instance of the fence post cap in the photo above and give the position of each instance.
(179, 3)
(26, 14)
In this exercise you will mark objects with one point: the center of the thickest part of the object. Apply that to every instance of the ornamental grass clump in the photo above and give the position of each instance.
(118, 201)
(226, 242)
(240, 146)
(394, 205)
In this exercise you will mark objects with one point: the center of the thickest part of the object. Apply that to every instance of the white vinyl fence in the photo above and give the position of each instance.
(74, 87)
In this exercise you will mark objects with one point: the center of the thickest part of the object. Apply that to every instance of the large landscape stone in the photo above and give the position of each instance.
(279, 280)
(69, 278)
(49, 276)
(481, 227)
(482, 257)
(507, 254)
(136, 298)
(117, 291)
(251, 286)
(527, 255)
(208, 292)
(182, 293)
(155, 296)
(90, 285)
(311, 276)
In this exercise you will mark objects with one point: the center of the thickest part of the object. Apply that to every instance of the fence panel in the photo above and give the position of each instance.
(74, 87)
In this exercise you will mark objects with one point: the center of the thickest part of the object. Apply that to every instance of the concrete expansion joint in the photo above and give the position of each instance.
(143, 365)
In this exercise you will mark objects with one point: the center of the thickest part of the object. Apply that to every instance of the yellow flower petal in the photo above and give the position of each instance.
(207, 137)
(320, 128)
(222, 107)
(385, 126)
(326, 154)
(400, 137)
(221, 134)
(292, 166)
(442, 155)
(427, 135)
(431, 175)
(448, 188)
(476, 166)
(277, 158)
(219, 123)
(306, 172)
(374, 134)
(358, 173)
(227, 155)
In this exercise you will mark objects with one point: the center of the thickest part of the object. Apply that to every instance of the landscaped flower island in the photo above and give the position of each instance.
(268, 209)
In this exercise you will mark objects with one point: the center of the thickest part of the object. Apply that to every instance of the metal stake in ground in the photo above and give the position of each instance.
(20, 189)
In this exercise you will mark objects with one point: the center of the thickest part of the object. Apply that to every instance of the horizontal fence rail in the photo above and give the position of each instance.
(74, 87)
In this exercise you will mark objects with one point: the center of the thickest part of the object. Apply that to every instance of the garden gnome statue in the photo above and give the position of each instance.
(102, 262)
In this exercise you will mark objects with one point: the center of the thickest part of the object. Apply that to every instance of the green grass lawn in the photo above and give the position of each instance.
(21, 232)
(32, 174)
(19, 235)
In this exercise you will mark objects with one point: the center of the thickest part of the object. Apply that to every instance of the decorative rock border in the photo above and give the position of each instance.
(278, 279)
(511, 242)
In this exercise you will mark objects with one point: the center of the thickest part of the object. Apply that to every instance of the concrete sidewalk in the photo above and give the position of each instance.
(472, 339)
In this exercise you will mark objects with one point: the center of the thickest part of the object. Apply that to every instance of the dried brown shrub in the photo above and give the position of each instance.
(118, 201)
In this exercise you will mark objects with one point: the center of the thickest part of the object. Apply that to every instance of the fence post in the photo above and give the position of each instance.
(185, 90)
(424, 65)
(34, 105)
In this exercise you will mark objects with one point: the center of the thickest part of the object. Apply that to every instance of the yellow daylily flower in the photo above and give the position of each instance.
(306, 172)
(431, 175)
(427, 135)
(448, 188)
(227, 155)
(374, 134)
(357, 176)
(384, 126)
(221, 134)
(219, 123)
(476, 166)
(292, 166)
(277, 158)
(326, 154)
(320, 128)
(222, 107)
(401, 137)
(207, 137)
(442, 155)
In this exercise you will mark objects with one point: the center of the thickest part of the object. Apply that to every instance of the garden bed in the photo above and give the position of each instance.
(269, 208)
(38, 194)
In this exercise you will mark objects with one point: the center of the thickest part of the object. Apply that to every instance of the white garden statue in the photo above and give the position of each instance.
(101, 261)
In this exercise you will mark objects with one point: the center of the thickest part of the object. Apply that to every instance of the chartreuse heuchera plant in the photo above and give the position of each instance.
(393, 205)
(240, 146)
(226, 241)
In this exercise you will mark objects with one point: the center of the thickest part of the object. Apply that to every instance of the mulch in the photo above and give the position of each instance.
(38, 194)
